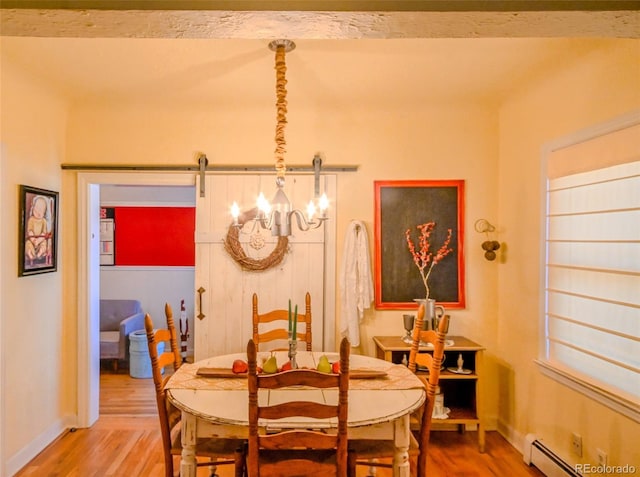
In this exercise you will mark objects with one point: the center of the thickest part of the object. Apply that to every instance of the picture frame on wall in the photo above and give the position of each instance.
(107, 236)
(38, 231)
(401, 206)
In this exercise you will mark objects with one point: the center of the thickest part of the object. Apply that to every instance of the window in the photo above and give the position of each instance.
(592, 263)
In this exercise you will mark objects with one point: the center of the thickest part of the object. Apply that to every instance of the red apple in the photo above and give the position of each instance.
(335, 367)
(286, 366)
(239, 366)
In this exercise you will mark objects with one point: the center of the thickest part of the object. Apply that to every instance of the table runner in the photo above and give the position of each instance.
(398, 377)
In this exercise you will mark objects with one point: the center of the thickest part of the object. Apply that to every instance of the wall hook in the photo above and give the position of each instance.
(489, 246)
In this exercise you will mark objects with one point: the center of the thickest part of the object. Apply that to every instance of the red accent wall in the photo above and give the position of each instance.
(157, 236)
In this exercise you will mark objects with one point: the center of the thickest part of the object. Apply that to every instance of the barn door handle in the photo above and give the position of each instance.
(200, 292)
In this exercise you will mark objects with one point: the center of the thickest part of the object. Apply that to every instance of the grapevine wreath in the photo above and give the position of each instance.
(233, 246)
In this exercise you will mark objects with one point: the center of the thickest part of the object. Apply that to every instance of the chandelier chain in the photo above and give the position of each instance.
(281, 105)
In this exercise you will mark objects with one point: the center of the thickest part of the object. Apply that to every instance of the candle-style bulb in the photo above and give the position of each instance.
(235, 212)
(311, 210)
(263, 204)
(323, 203)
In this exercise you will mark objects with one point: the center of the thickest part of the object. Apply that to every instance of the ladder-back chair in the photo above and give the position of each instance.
(364, 451)
(261, 336)
(218, 451)
(298, 452)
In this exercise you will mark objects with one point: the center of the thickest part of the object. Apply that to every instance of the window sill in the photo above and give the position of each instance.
(621, 405)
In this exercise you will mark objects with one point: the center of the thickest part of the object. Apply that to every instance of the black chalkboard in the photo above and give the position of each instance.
(402, 205)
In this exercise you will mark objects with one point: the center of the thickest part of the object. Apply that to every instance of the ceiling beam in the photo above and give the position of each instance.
(312, 19)
(331, 5)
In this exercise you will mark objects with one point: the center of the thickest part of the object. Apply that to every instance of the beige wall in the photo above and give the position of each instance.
(35, 374)
(418, 142)
(591, 90)
(495, 151)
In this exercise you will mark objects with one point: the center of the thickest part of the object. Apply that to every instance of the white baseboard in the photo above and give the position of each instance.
(37, 445)
(553, 466)
(513, 437)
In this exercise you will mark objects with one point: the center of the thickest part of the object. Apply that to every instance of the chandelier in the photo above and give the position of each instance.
(278, 214)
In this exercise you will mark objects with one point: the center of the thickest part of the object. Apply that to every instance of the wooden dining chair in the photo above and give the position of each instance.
(262, 335)
(363, 452)
(298, 452)
(217, 451)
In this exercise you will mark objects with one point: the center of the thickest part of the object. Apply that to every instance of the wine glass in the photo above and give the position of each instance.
(408, 321)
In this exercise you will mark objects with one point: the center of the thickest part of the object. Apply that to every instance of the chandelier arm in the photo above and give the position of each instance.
(301, 220)
(265, 221)
(254, 226)
(304, 224)
(314, 224)
(281, 106)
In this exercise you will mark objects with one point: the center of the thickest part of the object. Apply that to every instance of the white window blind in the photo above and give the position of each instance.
(592, 263)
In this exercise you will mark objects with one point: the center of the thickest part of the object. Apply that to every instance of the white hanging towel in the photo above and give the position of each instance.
(356, 282)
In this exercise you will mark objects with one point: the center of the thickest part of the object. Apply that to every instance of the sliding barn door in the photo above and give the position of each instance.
(226, 290)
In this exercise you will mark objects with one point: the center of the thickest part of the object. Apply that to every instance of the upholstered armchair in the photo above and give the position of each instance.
(118, 319)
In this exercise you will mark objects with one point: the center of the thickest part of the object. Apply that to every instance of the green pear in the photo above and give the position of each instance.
(270, 365)
(324, 366)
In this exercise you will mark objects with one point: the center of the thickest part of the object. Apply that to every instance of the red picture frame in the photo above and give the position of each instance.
(402, 205)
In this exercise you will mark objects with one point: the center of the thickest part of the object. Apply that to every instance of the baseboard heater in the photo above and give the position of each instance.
(536, 453)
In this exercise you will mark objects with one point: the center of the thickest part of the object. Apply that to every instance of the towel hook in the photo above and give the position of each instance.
(489, 246)
(484, 226)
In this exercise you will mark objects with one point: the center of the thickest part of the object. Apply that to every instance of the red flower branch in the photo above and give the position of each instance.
(425, 260)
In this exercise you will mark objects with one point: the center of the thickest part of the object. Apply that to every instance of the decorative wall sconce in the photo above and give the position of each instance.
(489, 246)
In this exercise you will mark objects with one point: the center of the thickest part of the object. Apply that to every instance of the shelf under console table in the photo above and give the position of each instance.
(461, 391)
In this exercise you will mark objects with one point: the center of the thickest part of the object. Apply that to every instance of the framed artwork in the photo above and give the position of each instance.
(38, 231)
(402, 206)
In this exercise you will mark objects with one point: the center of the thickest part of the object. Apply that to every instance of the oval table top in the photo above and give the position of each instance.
(225, 400)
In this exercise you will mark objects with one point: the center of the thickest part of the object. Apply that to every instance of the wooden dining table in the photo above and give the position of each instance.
(380, 402)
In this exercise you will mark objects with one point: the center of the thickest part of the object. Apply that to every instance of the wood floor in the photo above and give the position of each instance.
(125, 442)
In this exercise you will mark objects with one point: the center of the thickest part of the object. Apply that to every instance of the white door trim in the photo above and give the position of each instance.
(3, 421)
(88, 292)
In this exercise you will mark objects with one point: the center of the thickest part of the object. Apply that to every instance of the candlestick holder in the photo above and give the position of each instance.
(293, 350)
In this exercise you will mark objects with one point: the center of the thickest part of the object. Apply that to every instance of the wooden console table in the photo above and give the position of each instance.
(461, 391)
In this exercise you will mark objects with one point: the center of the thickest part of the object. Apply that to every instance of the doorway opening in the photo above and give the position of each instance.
(89, 292)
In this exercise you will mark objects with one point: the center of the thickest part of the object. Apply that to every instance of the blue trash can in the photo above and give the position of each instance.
(139, 360)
